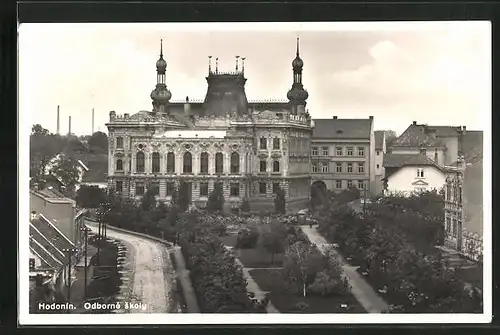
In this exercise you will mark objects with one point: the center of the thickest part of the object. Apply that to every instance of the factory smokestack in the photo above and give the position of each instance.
(69, 125)
(57, 119)
(92, 121)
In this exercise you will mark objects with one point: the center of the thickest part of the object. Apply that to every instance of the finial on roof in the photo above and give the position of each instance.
(237, 57)
(243, 64)
(298, 45)
(161, 47)
(217, 65)
(209, 64)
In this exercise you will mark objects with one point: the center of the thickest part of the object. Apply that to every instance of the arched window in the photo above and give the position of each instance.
(119, 165)
(235, 162)
(276, 166)
(139, 162)
(219, 163)
(187, 162)
(170, 162)
(263, 166)
(155, 162)
(204, 162)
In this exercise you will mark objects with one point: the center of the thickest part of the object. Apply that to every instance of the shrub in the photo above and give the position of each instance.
(280, 201)
(300, 307)
(247, 238)
(245, 206)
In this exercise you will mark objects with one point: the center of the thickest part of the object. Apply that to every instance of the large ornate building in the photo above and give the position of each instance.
(251, 148)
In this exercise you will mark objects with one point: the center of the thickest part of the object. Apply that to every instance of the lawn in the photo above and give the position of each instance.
(272, 281)
(258, 258)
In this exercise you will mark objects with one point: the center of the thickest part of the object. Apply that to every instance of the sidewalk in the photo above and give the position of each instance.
(185, 281)
(360, 289)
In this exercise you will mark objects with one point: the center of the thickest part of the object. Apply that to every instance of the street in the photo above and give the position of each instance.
(150, 288)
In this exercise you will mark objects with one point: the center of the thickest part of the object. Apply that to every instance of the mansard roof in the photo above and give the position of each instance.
(342, 128)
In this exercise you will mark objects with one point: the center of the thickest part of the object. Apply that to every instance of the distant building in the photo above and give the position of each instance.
(250, 148)
(97, 171)
(380, 149)
(343, 154)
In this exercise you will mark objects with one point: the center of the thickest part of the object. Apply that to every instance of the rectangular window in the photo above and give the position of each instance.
(420, 173)
(139, 188)
(324, 151)
(361, 184)
(276, 143)
(338, 184)
(338, 167)
(324, 167)
(349, 167)
(314, 151)
(155, 188)
(378, 153)
(276, 187)
(349, 184)
(119, 186)
(339, 151)
(235, 189)
(378, 166)
(262, 188)
(119, 143)
(361, 151)
(204, 189)
(170, 189)
(315, 167)
(361, 167)
(263, 142)
(349, 151)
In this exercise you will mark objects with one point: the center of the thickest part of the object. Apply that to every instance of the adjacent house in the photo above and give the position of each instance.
(343, 154)
(380, 149)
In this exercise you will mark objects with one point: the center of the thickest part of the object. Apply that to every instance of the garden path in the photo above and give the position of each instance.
(253, 287)
(149, 284)
(360, 289)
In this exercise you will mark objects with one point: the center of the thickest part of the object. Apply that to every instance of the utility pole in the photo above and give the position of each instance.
(85, 232)
(70, 252)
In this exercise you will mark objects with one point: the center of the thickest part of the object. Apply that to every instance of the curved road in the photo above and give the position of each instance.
(150, 287)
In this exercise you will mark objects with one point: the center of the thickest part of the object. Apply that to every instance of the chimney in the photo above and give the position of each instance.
(436, 161)
(126, 116)
(423, 151)
(57, 119)
(371, 117)
(69, 125)
(112, 115)
(92, 120)
(464, 128)
(187, 107)
(414, 123)
(335, 117)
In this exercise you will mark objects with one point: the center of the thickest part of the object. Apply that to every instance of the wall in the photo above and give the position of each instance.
(401, 180)
(452, 149)
(60, 211)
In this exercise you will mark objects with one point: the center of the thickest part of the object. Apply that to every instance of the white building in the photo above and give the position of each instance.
(380, 149)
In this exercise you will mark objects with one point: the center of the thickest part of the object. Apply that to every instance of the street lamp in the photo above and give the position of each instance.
(69, 252)
(85, 230)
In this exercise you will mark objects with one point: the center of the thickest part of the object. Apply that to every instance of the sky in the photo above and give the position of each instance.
(436, 73)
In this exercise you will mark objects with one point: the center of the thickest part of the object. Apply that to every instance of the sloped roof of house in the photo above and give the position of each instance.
(97, 172)
(473, 145)
(379, 139)
(342, 128)
(48, 242)
(416, 136)
(399, 160)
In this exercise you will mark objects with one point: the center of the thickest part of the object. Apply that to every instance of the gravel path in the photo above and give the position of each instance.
(149, 286)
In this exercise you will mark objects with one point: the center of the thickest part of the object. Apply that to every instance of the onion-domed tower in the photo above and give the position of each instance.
(161, 95)
(297, 94)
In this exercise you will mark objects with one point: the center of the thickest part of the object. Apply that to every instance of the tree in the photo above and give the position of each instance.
(215, 201)
(245, 206)
(89, 196)
(66, 169)
(280, 201)
(38, 130)
(273, 239)
(301, 264)
(98, 142)
(148, 201)
(390, 136)
(317, 197)
(43, 147)
(184, 199)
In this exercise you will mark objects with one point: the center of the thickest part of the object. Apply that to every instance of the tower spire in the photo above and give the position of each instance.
(161, 48)
(298, 42)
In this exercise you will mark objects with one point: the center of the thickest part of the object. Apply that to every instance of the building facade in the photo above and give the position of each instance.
(380, 149)
(342, 154)
(250, 148)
